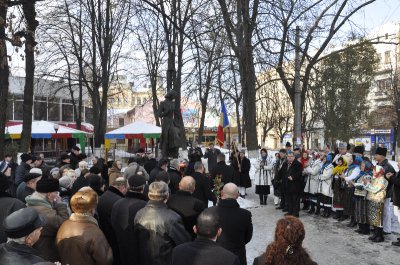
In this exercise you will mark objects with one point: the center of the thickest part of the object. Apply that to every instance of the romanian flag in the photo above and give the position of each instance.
(223, 123)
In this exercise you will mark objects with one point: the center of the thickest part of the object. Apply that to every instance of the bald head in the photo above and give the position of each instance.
(230, 191)
(187, 184)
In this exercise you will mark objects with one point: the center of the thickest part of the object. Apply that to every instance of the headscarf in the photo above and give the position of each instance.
(368, 171)
(304, 160)
(357, 160)
(327, 163)
(339, 169)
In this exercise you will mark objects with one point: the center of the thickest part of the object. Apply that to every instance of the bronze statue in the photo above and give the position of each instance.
(170, 136)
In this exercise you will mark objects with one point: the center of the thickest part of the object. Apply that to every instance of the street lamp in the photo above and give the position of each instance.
(56, 127)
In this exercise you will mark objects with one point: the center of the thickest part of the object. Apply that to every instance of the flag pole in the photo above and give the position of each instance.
(229, 140)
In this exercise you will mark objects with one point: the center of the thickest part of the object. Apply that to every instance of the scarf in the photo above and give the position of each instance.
(339, 169)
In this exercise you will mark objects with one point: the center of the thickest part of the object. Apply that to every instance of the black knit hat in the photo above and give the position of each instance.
(29, 176)
(47, 185)
(381, 151)
(26, 157)
(22, 222)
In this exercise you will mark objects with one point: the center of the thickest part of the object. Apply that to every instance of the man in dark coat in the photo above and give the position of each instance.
(204, 250)
(186, 205)
(114, 193)
(23, 168)
(211, 154)
(174, 175)
(279, 179)
(380, 157)
(226, 171)
(395, 181)
(25, 224)
(8, 205)
(203, 190)
(150, 164)
(196, 151)
(123, 216)
(162, 166)
(157, 228)
(29, 188)
(245, 181)
(294, 187)
(236, 223)
(74, 157)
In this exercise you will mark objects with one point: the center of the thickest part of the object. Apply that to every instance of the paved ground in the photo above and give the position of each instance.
(328, 241)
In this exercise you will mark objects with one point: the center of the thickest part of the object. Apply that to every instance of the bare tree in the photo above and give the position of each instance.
(29, 11)
(240, 23)
(150, 35)
(175, 20)
(208, 51)
(95, 31)
(322, 20)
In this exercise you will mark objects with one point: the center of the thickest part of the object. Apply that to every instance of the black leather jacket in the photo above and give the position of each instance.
(14, 253)
(158, 230)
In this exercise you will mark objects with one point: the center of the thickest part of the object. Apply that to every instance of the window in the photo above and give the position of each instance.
(10, 108)
(67, 112)
(40, 109)
(384, 85)
(54, 110)
(387, 57)
(18, 106)
(133, 100)
(88, 115)
(121, 122)
(139, 101)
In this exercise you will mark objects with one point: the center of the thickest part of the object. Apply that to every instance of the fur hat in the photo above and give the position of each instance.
(359, 149)
(381, 151)
(84, 201)
(47, 185)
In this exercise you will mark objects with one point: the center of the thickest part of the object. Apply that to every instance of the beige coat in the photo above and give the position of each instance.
(81, 242)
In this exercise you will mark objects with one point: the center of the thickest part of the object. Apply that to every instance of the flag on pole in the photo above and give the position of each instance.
(223, 123)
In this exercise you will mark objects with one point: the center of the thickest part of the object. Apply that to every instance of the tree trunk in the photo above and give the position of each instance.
(202, 118)
(239, 125)
(4, 74)
(248, 83)
(154, 97)
(30, 43)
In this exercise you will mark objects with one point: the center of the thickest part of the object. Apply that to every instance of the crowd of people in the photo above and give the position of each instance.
(344, 184)
(156, 211)
(151, 212)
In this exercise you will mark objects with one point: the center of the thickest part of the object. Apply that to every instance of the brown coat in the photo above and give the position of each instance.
(80, 241)
(113, 174)
(55, 215)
